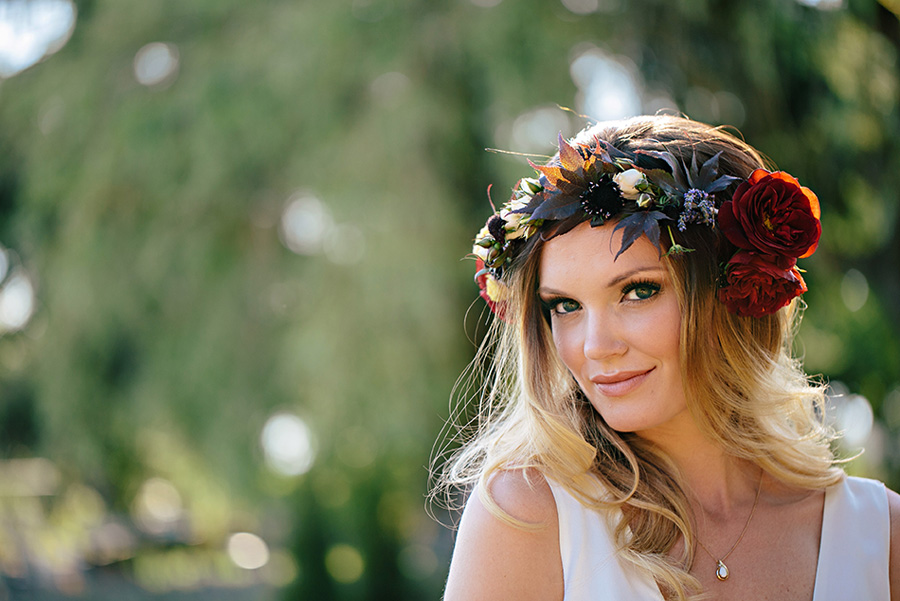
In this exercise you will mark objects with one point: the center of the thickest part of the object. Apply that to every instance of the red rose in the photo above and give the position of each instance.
(756, 285)
(773, 214)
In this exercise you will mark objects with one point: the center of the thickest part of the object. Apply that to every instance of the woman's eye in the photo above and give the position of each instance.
(567, 306)
(562, 306)
(641, 291)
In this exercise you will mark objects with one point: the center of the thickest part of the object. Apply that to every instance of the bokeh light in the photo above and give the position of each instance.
(533, 130)
(581, 7)
(609, 86)
(345, 563)
(854, 290)
(305, 223)
(851, 415)
(287, 443)
(824, 4)
(28, 477)
(156, 64)
(586, 7)
(31, 30)
(16, 302)
(157, 507)
(248, 551)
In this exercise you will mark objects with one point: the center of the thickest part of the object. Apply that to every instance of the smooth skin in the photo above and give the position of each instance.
(495, 561)
(615, 325)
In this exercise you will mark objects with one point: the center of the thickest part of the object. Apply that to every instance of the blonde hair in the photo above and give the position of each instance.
(743, 387)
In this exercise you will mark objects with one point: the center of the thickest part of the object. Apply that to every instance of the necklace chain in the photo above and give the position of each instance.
(721, 568)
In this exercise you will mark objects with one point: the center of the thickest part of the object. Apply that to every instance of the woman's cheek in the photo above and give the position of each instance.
(567, 347)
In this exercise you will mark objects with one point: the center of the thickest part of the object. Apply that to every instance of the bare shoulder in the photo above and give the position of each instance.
(525, 495)
(497, 559)
(894, 506)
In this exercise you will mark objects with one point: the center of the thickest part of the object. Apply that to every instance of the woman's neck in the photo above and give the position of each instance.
(720, 483)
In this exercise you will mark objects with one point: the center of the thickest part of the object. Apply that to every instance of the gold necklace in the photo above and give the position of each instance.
(721, 568)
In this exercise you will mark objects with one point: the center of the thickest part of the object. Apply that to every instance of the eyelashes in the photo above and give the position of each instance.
(641, 290)
(637, 291)
(559, 306)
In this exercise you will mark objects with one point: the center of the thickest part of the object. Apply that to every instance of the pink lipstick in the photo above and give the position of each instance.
(619, 383)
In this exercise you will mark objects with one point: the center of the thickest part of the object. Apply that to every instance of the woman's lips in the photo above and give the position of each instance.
(619, 383)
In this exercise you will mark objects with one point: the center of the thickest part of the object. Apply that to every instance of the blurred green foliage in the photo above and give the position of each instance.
(172, 319)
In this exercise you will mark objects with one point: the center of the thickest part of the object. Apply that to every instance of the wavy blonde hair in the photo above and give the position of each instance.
(743, 387)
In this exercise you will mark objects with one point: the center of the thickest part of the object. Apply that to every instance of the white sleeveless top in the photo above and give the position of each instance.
(853, 553)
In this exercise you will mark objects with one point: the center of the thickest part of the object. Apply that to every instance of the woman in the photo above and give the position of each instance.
(645, 433)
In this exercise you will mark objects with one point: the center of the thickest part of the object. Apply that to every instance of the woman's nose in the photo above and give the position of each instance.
(603, 338)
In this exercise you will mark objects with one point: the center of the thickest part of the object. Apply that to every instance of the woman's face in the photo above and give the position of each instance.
(616, 326)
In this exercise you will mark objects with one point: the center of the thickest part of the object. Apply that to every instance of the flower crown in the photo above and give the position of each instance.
(770, 218)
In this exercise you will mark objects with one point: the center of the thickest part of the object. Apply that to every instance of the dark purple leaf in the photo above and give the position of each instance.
(638, 224)
(648, 163)
(557, 208)
(611, 151)
(721, 183)
(562, 227)
(664, 180)
(676, 167)
(694, 173)
(708, 172)
(534, 203)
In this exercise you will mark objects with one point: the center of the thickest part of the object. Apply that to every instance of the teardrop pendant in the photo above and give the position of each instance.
(721, 571)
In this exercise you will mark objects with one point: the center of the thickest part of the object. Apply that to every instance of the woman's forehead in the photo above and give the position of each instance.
(586, 251)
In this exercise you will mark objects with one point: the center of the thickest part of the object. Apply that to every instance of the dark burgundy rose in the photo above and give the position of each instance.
(773, 214)
(757, 285)
(496, 226)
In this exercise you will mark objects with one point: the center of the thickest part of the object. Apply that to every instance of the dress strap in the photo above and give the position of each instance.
(854, 552)
(592, 568)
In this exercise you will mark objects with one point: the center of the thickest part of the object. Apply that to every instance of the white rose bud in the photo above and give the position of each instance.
(484, 237)
(513, 224)
(530, 186)
(481, 252)
(516, 204)
(644, 200)
(628, 182)
(512, 218)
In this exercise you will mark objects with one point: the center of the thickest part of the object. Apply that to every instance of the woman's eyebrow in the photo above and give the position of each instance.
(631, 273)
(545, 291)
(542, 291)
